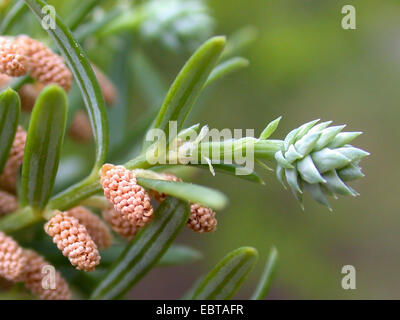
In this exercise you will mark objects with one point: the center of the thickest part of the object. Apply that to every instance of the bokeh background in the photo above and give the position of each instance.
(303, 66)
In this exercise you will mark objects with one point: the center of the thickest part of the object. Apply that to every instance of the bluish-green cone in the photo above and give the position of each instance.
(319, 159)
(177, 24)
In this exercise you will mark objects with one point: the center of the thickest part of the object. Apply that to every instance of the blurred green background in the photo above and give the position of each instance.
(303, 66)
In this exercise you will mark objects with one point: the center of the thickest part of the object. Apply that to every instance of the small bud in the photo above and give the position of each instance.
(8, 203)
(96, 228)
(12, 260)
(8, 179)
(201, 219)
(73, 239)
(33, 277)
(130, 199)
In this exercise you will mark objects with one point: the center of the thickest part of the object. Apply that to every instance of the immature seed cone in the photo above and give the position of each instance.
(12, 260)
(43, 64)
(33, 278)
(160, 197)
(96, 228)
(8, 179)
(73, 239)
(12, 60)
(201, 219)
(320, 160)
(8, 203)
(106, 86)
(121, 226)
(121, 189)
(177, 24)
(80, 129)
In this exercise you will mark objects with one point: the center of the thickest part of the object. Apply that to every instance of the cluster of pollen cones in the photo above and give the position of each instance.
(73, 240)
(27, 266)
(79, 235)
(131, 207)
(23, 55)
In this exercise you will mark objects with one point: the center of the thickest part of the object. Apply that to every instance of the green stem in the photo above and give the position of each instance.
(266, 149)
(21, 218)
(263, 149)
(98, 202)
(138, 163)
(76, 193)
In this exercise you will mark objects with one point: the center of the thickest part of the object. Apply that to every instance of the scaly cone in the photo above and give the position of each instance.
(128, 198)
(43, 64)
(33, 279)
(201, 219)
(12, 260)
(13, 62)
(125, 228)
(96, 227)
(319, 159)
(73, 239)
